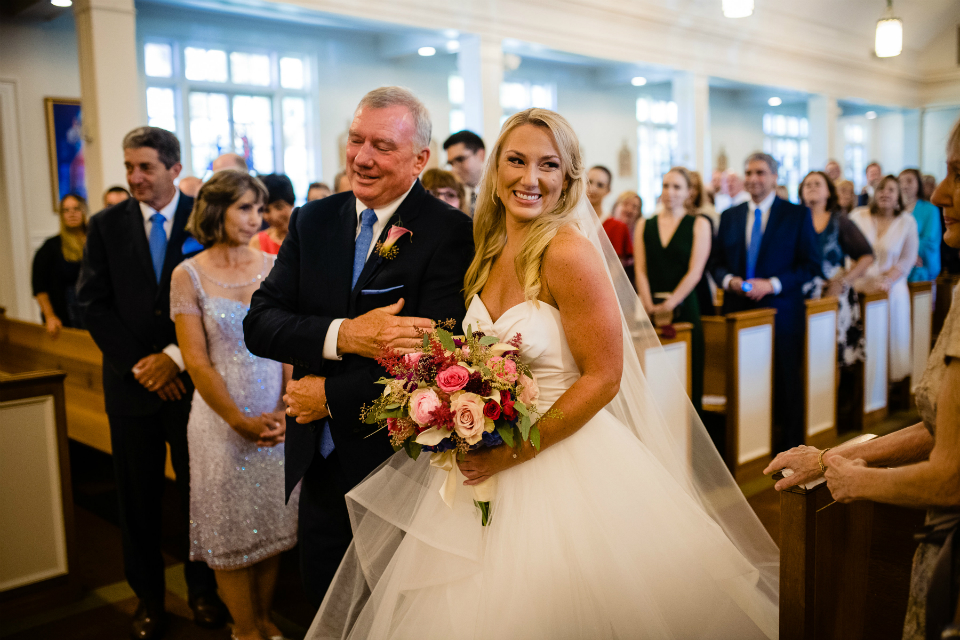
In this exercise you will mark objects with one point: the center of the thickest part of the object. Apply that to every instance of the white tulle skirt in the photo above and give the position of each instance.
(592, 539)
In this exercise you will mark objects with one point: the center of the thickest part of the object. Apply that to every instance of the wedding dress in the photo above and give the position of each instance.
(626, 529)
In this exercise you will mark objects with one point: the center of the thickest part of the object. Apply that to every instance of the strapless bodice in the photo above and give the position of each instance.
(544, 346)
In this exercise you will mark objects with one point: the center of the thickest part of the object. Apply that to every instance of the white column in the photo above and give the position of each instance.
(822, 114)
(691, 92)
(480, 62)
(110, 92)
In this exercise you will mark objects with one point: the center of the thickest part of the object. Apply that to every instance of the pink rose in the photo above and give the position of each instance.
(453, 378)
(530, 393)
(422, 403)
(395, 234)
(503, 368)
(468, 420)
(411, 359)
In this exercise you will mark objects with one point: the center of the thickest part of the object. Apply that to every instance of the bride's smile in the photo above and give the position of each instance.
(529, 176)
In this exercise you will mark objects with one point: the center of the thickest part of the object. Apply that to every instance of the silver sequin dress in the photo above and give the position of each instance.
(237, 511)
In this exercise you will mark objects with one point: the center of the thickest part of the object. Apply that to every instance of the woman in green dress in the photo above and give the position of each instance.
(670, 253)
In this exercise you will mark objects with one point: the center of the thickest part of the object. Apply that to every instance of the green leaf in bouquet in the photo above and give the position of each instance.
(372, 418)
(489, 340)
(535, 437)
(524, 424)
(413, 448)
(384, 381)
(446, 339)
(521, 409)
(391, 413)
(506, 432)
(393, 405)
(426, 342)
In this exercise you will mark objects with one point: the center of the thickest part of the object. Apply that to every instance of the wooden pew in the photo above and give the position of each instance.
(26, 346)
(738, 384)
(820, 372)
(844, 568)
(921, 327)
(875, 311)
(38, 554)
(674, 357)
(945, 285)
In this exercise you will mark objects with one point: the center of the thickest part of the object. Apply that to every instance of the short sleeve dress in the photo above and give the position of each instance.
(926, 393)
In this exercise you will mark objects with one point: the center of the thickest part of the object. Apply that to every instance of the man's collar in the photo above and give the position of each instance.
(384, 212)
(766, 203)
(167, 211)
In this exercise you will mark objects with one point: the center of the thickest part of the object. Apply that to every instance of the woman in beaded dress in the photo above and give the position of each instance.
(239, 522)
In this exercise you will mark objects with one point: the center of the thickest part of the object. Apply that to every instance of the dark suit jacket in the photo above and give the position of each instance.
(309, 287)
(863, 200)
(789, 251)
(125, 310)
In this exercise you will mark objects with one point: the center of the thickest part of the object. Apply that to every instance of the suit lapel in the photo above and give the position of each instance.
(405, 214)
(133, 220)
(342, 247)
(178, 234)
(739, 227)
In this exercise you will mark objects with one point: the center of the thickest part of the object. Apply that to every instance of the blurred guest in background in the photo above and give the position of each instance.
(56, 267)
(280, 202)
(928, 226)
(782, 192)
(233, 161)
(929, 186)
(627, 209)
(894, 239)
(846, 197)
(114, 195)
(446, 186)
(873, 174)
(671, 250)
(599, 180)
(732, 193)
(465, 155)
(618, 232)
(833, 171)
(190, 186)
(317, 191)
(341, 182)
(699, 202)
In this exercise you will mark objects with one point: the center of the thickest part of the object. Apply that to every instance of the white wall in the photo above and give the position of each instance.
(936, 128)
(736, 127)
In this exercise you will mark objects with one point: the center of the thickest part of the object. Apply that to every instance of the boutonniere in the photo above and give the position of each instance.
(388, 248)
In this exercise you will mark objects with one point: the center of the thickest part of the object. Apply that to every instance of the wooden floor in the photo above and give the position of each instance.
(107, 604)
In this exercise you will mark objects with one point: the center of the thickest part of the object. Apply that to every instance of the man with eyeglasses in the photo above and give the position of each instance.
(465, 155)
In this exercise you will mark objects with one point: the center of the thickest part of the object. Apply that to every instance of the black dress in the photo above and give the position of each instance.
(55, 276)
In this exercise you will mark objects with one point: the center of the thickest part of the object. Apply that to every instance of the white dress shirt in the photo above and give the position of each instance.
(167, 212)
(764, 206)
(383, 216)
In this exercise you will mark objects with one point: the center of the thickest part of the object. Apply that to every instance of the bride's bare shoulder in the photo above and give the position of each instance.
(572, 264)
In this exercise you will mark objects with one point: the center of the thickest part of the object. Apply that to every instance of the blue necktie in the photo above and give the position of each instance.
(756, 235)
(367, 220)
(158, 243)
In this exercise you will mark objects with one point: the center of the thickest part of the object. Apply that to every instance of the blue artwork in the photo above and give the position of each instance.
(65, 127)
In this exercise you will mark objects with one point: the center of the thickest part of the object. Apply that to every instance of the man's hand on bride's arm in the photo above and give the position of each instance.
(366, 335)
(306, 399)
(484, 463)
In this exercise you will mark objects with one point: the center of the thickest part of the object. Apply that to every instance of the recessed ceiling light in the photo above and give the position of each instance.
(453, 46)
(426, 51)
(639, 81)
(61, 3)
(774, 102)
(737, 8)
(870, 115)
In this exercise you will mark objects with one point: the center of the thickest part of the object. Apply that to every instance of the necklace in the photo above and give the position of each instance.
(228, 285)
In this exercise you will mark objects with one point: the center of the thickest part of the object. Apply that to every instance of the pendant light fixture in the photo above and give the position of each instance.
(737, 8)
(889, 42)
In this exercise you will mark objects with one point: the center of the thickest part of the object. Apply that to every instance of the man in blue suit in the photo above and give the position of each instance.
(766, 249)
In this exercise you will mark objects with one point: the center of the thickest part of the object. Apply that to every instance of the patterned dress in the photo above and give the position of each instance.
(237, 511)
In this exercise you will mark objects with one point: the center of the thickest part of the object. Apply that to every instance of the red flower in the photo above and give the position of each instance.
(491, 410)
(506, 403)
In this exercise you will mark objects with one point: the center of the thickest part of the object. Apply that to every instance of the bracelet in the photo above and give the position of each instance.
(823, 469)
(950, 631)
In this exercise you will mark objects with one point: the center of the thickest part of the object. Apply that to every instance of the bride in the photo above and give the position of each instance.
(623, 525)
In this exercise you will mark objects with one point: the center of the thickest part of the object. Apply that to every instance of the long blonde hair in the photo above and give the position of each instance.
(72, 241)
(489, 222)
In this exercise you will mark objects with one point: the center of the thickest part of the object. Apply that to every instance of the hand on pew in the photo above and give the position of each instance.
(843, 476)
(802, 460)
(53, 326)
(157, 372)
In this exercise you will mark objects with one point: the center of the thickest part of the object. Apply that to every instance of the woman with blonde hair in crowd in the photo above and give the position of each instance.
(918, 466)
(447, 187)
(671, 250)
(619, 227)
(56, 267)
(239, 522)
(895, 242)
(846, 197)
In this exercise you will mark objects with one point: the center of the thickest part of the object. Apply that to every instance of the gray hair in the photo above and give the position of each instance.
(385, 97)
(166, 144)
(759, 156)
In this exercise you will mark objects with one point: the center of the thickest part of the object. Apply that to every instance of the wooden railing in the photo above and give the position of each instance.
(820, 372)
(875, 311)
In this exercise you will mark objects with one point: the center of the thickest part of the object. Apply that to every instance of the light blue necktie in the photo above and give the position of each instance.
(756, 235)
(158, 243)
(367, 219)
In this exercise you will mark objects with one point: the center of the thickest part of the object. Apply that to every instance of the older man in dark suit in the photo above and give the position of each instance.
(766, 250)
(331, 300)
(124, 291)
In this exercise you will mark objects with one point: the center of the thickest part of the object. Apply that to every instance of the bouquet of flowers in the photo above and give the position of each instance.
(456, 394)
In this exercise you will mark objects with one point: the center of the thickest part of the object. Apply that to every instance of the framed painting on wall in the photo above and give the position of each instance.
(65, 145)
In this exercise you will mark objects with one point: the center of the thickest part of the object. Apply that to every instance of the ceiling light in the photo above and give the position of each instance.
(737, 8)
(61, 3)
(639, 81)
(426, 51)
(453, 46)
(774, 102)
(889, 41)
(870, 115)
